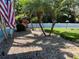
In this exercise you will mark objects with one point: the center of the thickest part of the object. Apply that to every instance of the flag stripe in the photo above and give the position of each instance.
(10, 7)
(4, 11)
(2, 7)
(11, 13)
(3, 4)
(12, 18)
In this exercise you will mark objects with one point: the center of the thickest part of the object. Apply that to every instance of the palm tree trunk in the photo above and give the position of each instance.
(42, 29)
(53, 24)
(31, 21)
(32, 25)
(39, 20)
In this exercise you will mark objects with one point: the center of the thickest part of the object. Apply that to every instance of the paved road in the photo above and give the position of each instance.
(57, 25)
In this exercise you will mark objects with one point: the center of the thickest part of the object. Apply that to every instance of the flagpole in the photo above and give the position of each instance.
(3, 28)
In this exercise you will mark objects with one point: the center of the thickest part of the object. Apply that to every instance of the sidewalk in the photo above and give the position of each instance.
(35, 46)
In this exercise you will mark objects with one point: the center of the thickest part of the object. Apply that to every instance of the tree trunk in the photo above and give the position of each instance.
(42, 29)
(40, 16)
(53, 24)
(39, 20)
(31, 21)
(32, 25)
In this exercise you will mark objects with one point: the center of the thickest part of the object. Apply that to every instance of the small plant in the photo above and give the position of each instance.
(76, 57)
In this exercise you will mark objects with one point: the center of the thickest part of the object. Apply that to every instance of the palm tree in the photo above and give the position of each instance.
(54, 7)
(57, 6)
(38, 7)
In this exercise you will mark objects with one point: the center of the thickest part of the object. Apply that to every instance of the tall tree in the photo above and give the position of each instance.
(38, 7)
(57, 5)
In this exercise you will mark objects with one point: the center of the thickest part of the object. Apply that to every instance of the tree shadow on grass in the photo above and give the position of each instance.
(74, 37)
(51, 48)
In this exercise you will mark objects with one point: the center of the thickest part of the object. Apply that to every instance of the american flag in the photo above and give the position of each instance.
(7, 12)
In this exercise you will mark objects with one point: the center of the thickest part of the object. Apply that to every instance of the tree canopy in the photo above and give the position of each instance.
(52, 8)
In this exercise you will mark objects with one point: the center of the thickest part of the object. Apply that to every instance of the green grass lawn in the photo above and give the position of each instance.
(70, 34)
